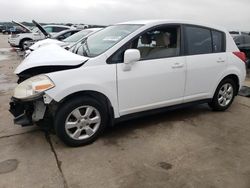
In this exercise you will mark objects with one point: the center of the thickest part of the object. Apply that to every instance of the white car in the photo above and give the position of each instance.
(126, 70)
(68, 42)
(38, 33)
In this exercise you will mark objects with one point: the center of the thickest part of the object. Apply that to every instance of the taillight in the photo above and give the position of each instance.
(241, 55)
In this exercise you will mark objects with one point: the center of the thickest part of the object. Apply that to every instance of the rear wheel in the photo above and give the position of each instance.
(80, 121)
(224, 95)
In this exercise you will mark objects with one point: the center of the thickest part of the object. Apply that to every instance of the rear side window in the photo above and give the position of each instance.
(218, 42)
(198, 40)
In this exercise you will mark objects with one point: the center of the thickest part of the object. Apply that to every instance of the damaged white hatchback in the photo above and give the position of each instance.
(127, 69)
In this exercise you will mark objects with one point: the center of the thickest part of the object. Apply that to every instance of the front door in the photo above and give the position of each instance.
(158, 79)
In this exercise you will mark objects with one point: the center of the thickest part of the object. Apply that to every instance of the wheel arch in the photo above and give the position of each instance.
(235, 78)
(26, 38)
(100, 97)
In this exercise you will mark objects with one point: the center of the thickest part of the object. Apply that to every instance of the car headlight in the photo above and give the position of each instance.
(33, 87)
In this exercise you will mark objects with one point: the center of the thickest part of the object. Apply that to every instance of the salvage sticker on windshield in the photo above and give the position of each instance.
(112, 38)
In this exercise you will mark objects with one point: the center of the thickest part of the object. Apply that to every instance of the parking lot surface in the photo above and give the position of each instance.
(191, 147)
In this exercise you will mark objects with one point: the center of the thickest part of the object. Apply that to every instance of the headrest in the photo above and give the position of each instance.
(146, 39)
(162, 39)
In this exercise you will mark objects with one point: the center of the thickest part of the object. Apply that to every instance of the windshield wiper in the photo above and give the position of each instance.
(74, 45)
(86, 50)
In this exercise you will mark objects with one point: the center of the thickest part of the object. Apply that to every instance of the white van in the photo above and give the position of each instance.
(125, 70)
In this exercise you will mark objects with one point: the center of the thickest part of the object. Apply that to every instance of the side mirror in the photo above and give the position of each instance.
(131, 56)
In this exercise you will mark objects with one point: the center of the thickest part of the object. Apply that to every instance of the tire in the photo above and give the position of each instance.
(222, 98)
(23, 44)
(46, 125)
(86, 119)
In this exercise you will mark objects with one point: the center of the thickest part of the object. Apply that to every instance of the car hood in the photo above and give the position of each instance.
(45, 42)
(46, 34)
(23, 26)
(50, 55)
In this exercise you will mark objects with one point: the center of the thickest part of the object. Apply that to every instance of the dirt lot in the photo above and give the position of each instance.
(191, 147)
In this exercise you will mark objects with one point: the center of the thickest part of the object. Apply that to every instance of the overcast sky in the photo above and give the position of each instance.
(233, 14)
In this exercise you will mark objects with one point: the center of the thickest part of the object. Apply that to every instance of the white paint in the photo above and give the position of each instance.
(148, 84)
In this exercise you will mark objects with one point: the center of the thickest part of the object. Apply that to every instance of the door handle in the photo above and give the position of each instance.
(177, 65)
(220, 60)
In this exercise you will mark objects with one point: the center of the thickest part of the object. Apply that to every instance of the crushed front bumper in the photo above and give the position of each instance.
(26, 113)
(22, 111)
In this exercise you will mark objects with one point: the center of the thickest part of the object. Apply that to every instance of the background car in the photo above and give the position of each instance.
(12, 30)
(233, 33)
(38, 33)
(54, 38)
(66, 43)
(243, 43)
(65, 34)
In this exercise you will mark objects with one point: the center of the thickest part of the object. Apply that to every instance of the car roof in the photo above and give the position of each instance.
(93, 29)
(65, 26)
(67, 30)
(173, 21)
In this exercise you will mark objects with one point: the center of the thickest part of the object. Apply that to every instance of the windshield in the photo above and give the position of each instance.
(101, 41)
(77, 36)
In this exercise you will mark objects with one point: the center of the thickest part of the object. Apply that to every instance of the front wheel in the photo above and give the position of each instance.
(80, 121)
(224, 95)
(24, 44)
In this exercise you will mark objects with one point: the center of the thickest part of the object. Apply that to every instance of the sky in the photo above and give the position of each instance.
(232, 14)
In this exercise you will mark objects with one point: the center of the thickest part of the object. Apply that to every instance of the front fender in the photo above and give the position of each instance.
(101, 78)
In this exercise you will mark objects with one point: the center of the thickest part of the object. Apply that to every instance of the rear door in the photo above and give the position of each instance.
(206, 60)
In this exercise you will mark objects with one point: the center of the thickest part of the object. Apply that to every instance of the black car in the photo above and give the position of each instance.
(243, 43)
(12, 30)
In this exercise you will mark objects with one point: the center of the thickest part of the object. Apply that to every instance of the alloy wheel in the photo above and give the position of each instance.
(83, 122)
(225, 94)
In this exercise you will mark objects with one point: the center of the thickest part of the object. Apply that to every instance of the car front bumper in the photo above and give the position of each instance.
(13, 42)
(25, 112)
(22, 111)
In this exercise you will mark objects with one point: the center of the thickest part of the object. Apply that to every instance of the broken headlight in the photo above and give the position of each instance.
(33, 87)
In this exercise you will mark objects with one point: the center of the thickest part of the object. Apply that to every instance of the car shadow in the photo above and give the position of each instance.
(126, 128)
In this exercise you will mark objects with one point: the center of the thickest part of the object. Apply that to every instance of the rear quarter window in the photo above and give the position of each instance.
(218, 41)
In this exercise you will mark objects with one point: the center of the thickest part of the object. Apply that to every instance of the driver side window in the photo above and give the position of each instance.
(161, 42)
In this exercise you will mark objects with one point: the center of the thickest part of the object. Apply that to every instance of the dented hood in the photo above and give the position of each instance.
(50, 55)
(45, 42)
